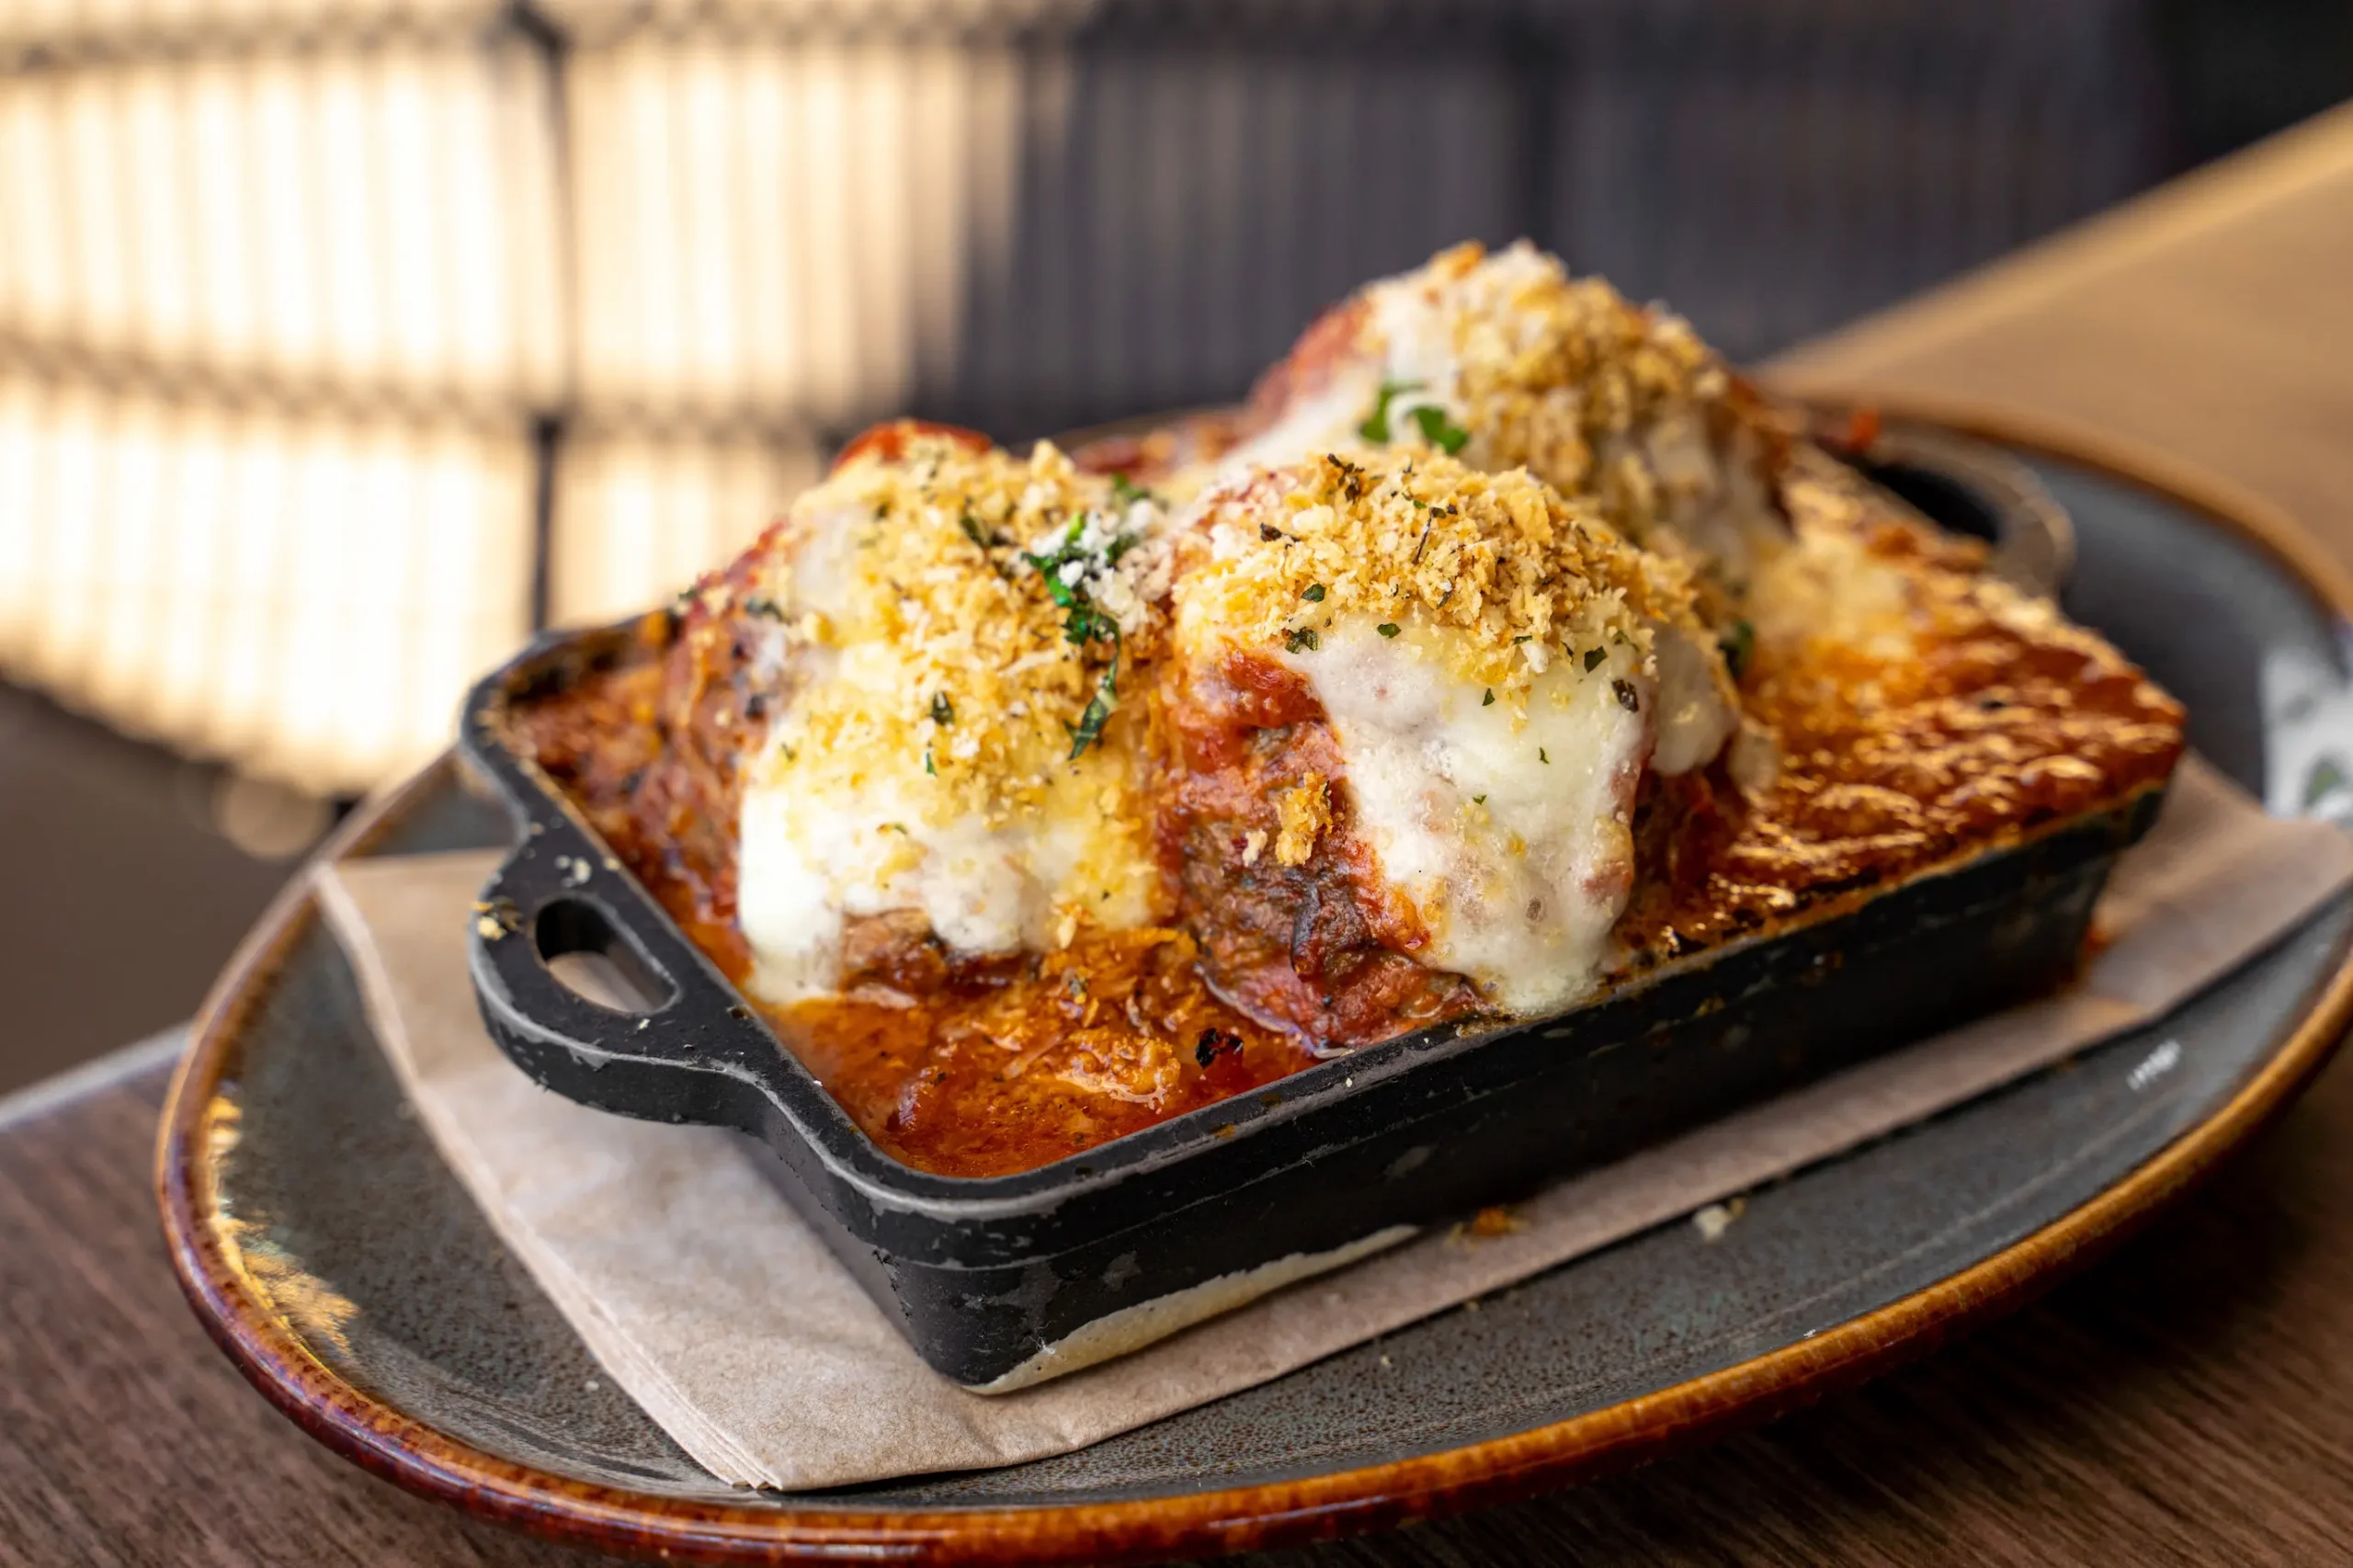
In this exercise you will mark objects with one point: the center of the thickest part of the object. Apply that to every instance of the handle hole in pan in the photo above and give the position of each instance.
(1941, 498)
(582, 948)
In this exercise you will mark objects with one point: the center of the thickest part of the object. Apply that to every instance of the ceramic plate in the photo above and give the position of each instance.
(345, 1272)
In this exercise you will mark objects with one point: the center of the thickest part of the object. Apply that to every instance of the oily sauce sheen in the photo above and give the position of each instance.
(2000, 726)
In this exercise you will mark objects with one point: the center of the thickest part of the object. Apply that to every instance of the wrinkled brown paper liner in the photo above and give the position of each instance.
(710, 1301)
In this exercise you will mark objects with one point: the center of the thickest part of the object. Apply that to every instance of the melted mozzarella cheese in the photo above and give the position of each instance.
(811, 859)
(864, 836)
(1510, 834)
(1323, 420)
(1694, 718)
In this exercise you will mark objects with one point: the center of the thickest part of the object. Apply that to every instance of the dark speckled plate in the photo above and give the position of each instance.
(343, 1268)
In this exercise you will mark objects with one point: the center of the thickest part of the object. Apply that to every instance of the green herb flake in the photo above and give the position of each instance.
(1517, 640)
(1313, 593)
(1542, 758)
(1440, 431)
(764, 606)
(1375, 428)
(1087, 624)
(1387, 628)
(1488, 699)
(1478, 799)
(930, 771)
(1126, 492)
(1593, 657)
(1738, 645)
(1301, 638)
(943, 712)
(1089, 728)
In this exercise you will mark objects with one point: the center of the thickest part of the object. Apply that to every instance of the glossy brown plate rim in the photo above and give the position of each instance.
(383, 1440)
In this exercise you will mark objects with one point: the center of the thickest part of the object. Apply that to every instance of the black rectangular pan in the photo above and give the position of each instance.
(988, 1277)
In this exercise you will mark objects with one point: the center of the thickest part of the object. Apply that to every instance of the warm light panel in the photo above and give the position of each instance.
(306, 597)
(383, 222)
(637, 519)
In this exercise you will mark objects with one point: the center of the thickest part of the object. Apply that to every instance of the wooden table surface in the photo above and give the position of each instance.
(2189, 1401)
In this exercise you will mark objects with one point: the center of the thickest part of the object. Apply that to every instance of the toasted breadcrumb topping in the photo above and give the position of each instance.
(977, 616)
(1511, 575)
(1561, 375)
(1301, 815)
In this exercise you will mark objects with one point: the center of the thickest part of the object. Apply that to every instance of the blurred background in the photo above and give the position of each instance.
(345, 343)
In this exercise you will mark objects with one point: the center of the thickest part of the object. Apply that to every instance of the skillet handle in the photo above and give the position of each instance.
(647, 1053)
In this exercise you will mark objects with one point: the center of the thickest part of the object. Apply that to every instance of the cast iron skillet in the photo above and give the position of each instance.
(990, 1278)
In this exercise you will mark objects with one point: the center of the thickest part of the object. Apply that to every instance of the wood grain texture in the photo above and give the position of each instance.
(2190, 1401)
(2210, 321)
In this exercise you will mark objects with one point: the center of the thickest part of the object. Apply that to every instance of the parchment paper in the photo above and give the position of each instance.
(726, 1319)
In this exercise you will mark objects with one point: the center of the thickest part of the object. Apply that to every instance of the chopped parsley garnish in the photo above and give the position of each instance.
(1087, 624)
(1431, 420)
(1301, 638)
(1050, 566)
(761, 604)
(943, 712)
(930, 771)
(1313, 593)
(1541, 756)
(1084, 623)
(1376, 423)
(1387, 628)
(1478, 799)
(1488, 700)
(1738, 643)
(1351, 476)
(1089, 728)
(977, 534)
(1593, 657)
(1126, 492)
(1628, 698)
(1440, 431)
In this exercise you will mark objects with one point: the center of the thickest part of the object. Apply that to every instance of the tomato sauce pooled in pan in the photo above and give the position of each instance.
(1996, 725)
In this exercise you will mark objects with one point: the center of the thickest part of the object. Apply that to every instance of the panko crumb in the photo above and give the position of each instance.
(1716, 1219)
(1303, 815)
(1563, 375)
(1494, 1221)
(1508, 573)
(998, 605)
